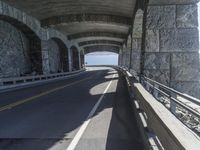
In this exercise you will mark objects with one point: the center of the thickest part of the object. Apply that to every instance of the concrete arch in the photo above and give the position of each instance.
(37, 35)
(85, 43)
(52, 33)
(101, 44)
(97, 34)
(20, 19)
(82, 58)
(31, 30)
(112, 51)
(59, 53)
(113, 19)
(62, 41)
(99, 38)
(100, 48)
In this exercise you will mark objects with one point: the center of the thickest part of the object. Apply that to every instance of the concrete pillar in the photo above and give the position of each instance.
(126, 55)
(120, 58)
(70, 60)
(123, 56)
(137, 41)
(79, 59)
(129, 51)
(172, 44)
(127, 63)
(82, 59)
(45, 57)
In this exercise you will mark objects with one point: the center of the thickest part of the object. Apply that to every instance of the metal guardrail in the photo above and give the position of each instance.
(156, 89)
(172, 95)
(26, 79)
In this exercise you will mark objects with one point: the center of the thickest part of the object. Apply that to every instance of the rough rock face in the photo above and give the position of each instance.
(54, 57)
(14, 52)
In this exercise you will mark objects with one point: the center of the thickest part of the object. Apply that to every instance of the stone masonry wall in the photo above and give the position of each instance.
(37, 36)
(14, 52)
(54, 56)
(172, 45)
(137, 41)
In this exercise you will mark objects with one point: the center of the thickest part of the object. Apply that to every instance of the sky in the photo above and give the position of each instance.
(101, 58)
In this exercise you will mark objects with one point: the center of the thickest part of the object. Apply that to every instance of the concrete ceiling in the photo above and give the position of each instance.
(84, 20)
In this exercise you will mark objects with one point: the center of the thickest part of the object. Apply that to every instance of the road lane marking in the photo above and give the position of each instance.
(20, 102)
(82, 129)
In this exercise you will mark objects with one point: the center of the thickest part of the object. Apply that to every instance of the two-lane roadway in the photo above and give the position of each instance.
(88, 112)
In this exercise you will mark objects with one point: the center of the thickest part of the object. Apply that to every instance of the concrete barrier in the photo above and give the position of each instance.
(7, 83)
(172, 133)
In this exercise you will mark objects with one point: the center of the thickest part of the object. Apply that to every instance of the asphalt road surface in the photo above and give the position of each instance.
(88, 112)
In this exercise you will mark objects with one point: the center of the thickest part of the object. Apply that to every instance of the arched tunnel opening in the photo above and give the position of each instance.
(93, 74)
(20, 49)
(58, 56)
(101, 58)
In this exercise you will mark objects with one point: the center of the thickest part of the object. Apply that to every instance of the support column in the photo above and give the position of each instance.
(79, 59)
(70, 60)
(82, 59)
(126, 56)
(45, 57)
(172, 45)
(123, 56)
(137, 41)
(129, 51)
(120, 58)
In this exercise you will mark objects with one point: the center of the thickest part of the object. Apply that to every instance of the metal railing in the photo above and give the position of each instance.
(171, 98)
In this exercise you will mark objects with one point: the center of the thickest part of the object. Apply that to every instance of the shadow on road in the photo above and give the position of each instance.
(47, 121)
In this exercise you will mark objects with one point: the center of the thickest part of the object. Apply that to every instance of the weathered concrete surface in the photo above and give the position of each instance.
(54, 57)
(14, 52)
(152, 41)
(172, 45)
(172, 133)
(171, 34)
(85, 17)
(161, 17)
(170, 2)
(37, 36)
(179, 40)
(189, 19)
(136, 48)
(45, 9)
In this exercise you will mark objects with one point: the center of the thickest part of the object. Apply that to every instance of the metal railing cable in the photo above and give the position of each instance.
(171, 98)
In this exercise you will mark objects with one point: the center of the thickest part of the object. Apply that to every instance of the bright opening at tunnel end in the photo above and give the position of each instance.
(101, 58)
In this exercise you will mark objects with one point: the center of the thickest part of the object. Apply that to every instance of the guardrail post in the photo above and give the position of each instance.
(172, 103)
(147, 85)
(155, 91)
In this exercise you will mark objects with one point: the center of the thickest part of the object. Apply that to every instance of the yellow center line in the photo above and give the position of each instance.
(12, 105)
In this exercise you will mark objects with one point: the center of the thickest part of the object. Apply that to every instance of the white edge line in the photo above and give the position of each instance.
(79, 134)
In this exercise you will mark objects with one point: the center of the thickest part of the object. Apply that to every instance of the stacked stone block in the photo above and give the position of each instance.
(172, 44)
(14, 52)
(137, 41)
